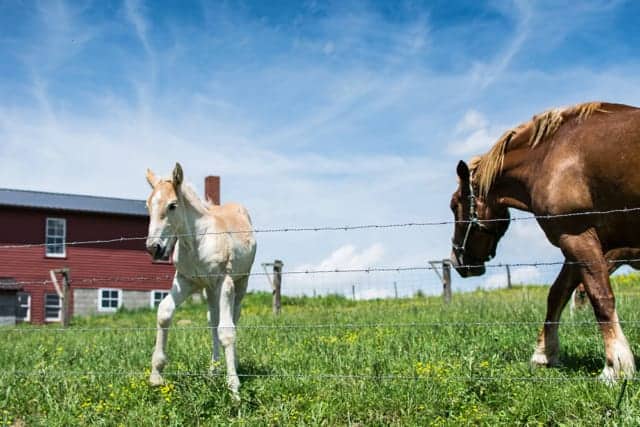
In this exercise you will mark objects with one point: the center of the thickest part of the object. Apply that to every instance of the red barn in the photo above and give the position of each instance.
(37, 231)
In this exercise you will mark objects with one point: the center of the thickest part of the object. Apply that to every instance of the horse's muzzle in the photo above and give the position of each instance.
(467, 270)
(158, 252)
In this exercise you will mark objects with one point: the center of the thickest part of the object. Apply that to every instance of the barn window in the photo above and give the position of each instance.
(24, 307)
(157, 296)
(109, 299)
(51, 307)
(56, 237)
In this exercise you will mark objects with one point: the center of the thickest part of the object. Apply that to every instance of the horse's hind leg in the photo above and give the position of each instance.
(548, 344)
(213, 316)
(241, 284)
(180, 290)
(227, 333)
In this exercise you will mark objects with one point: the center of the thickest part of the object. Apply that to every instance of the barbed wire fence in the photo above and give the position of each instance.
(341, 227)
(316, 376)
(408, 285)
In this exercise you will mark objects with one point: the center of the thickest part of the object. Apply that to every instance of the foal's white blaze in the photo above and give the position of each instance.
(154, 209)
(161, 235)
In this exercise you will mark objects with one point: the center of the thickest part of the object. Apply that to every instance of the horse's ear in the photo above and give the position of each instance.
(177, 176)
(152, 179)
(463, 171)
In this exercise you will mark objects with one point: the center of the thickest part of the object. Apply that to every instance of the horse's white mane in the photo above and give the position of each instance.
(192, 197)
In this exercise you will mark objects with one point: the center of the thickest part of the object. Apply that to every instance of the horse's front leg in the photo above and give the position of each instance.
(180, 290)
(548, 345)
(213, 316)
(585, 248)
(227, 333)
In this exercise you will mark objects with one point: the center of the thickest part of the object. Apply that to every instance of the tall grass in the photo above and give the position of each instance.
(407, 361)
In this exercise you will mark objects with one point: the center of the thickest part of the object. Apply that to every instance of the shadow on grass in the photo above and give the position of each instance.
(592, 362)
(252, 371)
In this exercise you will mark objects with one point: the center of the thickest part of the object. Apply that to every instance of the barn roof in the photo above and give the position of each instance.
(71, 202)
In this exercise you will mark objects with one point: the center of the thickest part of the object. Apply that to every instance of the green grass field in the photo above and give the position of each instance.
(329, 361)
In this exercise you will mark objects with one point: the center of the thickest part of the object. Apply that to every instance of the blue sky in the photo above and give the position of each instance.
(313, 113)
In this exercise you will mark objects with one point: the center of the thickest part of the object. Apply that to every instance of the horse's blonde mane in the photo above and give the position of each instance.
(546, 124)
(542, 126)
(485, 168)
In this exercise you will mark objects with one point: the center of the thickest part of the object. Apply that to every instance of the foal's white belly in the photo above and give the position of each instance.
(223, 257)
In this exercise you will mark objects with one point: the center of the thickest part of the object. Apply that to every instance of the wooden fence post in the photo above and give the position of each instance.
(353, 292)
(446, 280)
(395, 288)
(63, 293)
(445, 277)
(277, 285)
(508, 277)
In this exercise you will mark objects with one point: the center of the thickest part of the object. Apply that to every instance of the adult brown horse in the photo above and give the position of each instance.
(568, 161)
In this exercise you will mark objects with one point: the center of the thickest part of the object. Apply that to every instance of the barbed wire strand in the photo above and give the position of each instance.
(417, 377)
(321, 326)
(332, 228)
(398, 269)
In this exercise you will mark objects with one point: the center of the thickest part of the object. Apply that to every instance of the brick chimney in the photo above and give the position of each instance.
(212, 189)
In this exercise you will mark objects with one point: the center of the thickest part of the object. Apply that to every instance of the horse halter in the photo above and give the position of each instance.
(474, 223)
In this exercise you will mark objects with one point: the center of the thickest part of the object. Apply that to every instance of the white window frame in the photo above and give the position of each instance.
(27, 318)
(109, 309)
(152, 294)
(59, 316)
(64, 238)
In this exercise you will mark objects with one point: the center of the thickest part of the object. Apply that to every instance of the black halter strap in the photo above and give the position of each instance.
(474, 223)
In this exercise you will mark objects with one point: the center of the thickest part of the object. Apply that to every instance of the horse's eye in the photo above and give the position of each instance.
(172, 206)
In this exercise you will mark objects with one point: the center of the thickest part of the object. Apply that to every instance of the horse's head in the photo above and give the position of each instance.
(163, 213)
(479, 226)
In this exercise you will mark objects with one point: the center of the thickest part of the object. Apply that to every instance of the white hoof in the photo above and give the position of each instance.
(541, 359)
(156, 379)
(608, 376)
(233, 382)
(623, 365)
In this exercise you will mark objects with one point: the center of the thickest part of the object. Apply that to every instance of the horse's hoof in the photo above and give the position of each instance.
(234, 384)
(541, 359)
(156, 379)
(608, 376)
(624, 369)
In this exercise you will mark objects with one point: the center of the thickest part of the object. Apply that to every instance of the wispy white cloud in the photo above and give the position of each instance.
(473, 134)
(488, 72)
(348, 257)
(135, 13)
